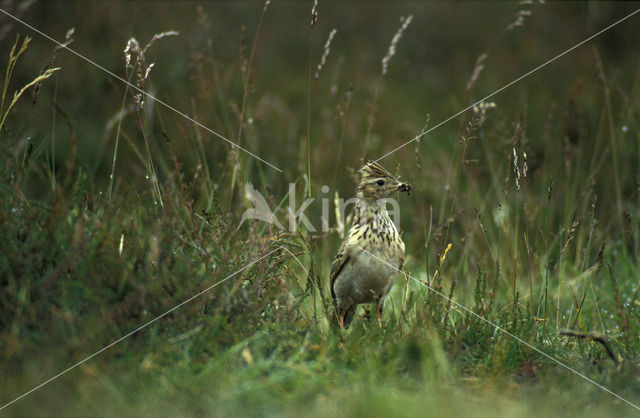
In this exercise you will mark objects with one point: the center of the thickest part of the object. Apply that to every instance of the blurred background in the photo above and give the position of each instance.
(201, 73)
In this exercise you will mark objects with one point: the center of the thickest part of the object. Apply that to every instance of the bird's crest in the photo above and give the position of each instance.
(373, 169)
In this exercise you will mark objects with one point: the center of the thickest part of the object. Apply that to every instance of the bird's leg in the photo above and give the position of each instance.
(379, 311)
(367, 313)
(341, 320)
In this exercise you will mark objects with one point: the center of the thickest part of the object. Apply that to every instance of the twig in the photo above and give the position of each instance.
(592, 337)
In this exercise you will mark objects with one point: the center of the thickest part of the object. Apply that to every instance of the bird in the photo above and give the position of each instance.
(372, 253)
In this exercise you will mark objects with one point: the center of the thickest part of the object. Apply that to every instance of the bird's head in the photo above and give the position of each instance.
(377, 183)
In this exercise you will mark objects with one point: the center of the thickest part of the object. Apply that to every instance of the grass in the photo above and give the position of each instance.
(526, 213)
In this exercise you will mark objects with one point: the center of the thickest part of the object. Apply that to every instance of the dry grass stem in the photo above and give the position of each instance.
(394, 42)
(325, 53)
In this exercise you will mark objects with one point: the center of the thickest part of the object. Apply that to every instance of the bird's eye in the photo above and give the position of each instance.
(380, 182)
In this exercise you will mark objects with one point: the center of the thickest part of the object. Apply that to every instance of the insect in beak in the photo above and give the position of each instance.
(405, 187)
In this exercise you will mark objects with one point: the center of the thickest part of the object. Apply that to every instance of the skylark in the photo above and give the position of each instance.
(372, 253)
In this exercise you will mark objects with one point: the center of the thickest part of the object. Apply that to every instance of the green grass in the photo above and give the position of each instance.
(116, 211)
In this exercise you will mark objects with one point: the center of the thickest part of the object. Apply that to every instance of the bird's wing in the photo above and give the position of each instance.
(337, 265)
(343, 255)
